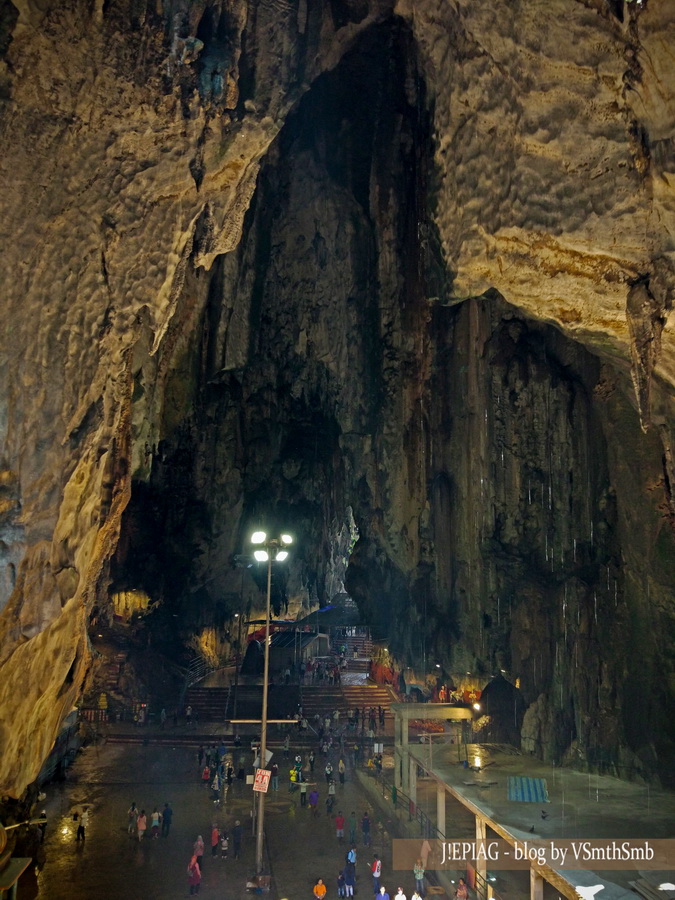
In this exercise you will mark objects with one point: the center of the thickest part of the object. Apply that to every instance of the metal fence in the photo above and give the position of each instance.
(403, 803)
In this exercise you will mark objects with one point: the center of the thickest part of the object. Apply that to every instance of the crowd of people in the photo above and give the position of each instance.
(220, 848)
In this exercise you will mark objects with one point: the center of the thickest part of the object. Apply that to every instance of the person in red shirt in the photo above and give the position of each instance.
(340, 827)
(376, 869)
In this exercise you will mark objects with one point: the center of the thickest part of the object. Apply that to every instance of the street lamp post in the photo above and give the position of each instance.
(271, 550)
(236, 665)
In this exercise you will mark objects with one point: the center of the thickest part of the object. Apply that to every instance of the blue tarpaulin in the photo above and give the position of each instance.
(527, 790)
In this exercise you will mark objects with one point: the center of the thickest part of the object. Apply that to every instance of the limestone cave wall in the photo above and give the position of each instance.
(401, 272)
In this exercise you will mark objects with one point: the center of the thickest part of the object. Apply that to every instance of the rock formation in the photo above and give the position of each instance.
(395, 276)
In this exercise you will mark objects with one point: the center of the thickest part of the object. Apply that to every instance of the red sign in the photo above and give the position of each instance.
(262, 780)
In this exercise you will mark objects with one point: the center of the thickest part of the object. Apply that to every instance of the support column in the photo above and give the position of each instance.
(440, 808)
(412, 783)
(536, 886)
(398, 751)
(481, 835)
(405, 755)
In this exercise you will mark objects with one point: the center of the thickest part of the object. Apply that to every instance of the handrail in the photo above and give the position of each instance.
(427, 828)
(198, 668)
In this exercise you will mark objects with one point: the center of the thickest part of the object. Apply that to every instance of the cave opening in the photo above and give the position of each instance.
(277, 399)
(441, 461)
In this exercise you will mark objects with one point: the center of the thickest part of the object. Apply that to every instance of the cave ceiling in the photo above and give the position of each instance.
(396, 276)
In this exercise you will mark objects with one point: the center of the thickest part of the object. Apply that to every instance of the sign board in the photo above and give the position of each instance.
(268, 756)
(378, 748)
(262, 780)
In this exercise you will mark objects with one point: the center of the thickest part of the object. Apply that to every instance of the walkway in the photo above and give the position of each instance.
(112, 865)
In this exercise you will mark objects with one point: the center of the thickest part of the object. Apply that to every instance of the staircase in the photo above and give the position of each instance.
(209, 704)
(323, 700)
(282, 701)
(112, 671)
(361, 643)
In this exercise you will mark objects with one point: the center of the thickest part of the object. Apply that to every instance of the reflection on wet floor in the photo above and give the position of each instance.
(112, 864)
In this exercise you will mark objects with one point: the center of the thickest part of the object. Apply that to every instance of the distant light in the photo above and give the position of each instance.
(236, 615)
(385, 650)
(281, 555)
(438, 665)
(261, 555)
(258, 537)
(64, 830)
(286, 539)
(100, 635)
(492, 878)
(667, 886)
(476, 762)
(476, 706)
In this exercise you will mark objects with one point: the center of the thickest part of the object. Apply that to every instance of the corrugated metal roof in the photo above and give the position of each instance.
(290, 639)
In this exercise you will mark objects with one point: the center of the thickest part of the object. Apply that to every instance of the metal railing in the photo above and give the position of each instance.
(198, 668)
(401, 801)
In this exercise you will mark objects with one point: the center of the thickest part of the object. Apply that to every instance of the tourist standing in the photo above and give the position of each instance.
(215, 788)
(167, 816)
(155, 818)
(274, 777)
(132, 816)
(319, 890)
(350, 881)
(215, 839)
(43, 825)
(365, 828)
(340, 827)
(82, 824)
(352, 828)
(198, 850)
(341, 770)
(418, 872)
(314, 802)
(194, 875)
(351, 857)
(236, 839)
(376, 871)
(462, 892)
(141, 824)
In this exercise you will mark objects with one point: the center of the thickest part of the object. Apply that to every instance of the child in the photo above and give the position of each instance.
(341, 884)
(224, 845)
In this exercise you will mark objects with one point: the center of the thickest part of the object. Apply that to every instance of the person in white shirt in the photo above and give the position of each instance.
(400, 895)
